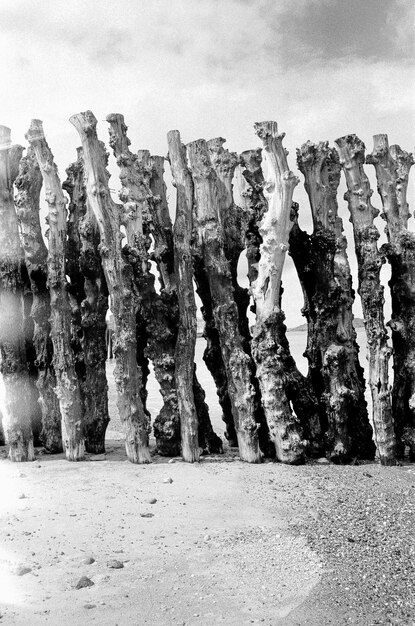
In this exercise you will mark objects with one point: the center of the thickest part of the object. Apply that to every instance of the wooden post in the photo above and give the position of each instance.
(352, 156)
(212, 354)
(29, 184)
(269, 330)
(89, 293)
(186, 337)
(67, 386)
(118, 273)
(237, 363)
(164, 256)
(16, 385)
(392, 165)
(324, 272)
(154, 309)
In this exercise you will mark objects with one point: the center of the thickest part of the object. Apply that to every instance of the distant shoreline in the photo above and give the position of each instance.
(357, 323)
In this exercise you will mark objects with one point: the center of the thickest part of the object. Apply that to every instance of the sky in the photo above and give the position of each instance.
(320, 68)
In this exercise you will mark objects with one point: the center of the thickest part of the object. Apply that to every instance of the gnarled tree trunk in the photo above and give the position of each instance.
(29, 184)
(13, 365)
(124, 300)
(392, 165)
(352, 156)
(238, 365)
(89, 294)
(269, 345)
(324, 272)
(186, 336)
(67, 386)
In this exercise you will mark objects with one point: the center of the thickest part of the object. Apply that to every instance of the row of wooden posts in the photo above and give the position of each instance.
(54, 299)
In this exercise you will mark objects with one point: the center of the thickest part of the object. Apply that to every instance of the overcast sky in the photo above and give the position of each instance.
(321, 68)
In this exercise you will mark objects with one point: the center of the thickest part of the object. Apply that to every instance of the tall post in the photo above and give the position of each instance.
(323, 268)
(67, 386)
(238, 365)
(29, 184)
(13, 365)
(186, 337)
(270, 348)
(124, 299)
(392, 166)
(362, 213)
(89, 294)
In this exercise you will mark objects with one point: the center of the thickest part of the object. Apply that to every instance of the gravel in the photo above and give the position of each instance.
(361, 524)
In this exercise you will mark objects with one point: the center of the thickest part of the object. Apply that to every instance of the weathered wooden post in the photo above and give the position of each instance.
(392, 165)
(16, 385)
(124, 300)
(186, 337)
(164, 256)
(238, 365)
(67, 386)
(89, 294)
(29, 184)
(352, 156)
(154, 312)
(324, 272)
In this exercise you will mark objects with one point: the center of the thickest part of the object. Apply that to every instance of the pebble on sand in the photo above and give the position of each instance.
(22, 570)
(114, 564)
(168, 480)
(83, 582)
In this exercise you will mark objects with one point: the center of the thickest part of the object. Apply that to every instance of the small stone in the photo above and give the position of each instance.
(367, 474)
(168, 480)
(22, 570)
(83, 582)
(171, 461)
(146, 514)
(114, 564)
(89, 606)
(152, 500)
(323, 461)
(22, 496)
(88, 560)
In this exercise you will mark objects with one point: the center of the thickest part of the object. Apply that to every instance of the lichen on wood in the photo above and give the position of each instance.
(392, 166)
(13, 364)
(370, 260)
(124, 299)
(29, 184)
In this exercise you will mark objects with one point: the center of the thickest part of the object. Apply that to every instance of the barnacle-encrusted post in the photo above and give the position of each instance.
(16, 384)
(89, 301)
(67, 385)
(269, 345)
(392, 165)
(324, 272)
(29, 184)
(119, 276)
(352, 157)
(238, 365)
(186, 337)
